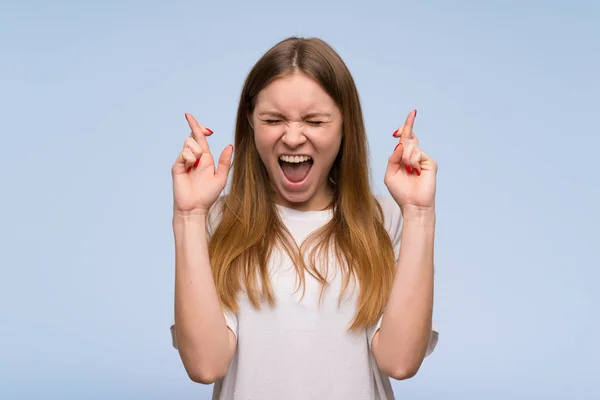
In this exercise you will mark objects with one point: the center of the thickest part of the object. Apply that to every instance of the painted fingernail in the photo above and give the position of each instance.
(408, 169)
(189, 169)
(209, 130)
(196, 163)
(415, 113)
(418, 172)
(396, 146)
(396, 131)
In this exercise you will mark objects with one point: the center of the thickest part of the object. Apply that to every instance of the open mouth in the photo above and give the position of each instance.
(295, 168)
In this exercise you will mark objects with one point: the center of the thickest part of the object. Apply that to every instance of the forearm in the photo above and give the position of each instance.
(406, 327)
(201, 331)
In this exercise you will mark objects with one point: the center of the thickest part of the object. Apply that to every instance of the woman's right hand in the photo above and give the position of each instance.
(197, 182)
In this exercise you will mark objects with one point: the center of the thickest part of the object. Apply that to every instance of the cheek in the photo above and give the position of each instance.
(260, 137)
(330, 145)
(264, 142)
(335, 151)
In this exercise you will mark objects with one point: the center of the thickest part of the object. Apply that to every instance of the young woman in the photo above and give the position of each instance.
(299, 283)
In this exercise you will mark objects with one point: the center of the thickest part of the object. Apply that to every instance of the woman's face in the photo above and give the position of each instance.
(297, 132)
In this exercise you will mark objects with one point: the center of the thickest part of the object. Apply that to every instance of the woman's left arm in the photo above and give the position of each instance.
(401, 343)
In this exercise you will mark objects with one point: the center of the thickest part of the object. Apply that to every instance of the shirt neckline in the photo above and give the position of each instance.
(294, 213)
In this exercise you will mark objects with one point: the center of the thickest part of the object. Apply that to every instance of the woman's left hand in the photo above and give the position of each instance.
(411, 174)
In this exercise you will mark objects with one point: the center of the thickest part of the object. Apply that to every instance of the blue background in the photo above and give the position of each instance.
(92, 98)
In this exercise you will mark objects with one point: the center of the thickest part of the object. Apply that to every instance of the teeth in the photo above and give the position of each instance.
(294, 159)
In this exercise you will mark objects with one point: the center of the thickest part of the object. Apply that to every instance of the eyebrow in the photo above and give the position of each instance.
(280, 115)
(270, 114)
(313, 115)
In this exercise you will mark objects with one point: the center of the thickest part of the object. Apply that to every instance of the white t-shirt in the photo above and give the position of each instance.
(300, 349)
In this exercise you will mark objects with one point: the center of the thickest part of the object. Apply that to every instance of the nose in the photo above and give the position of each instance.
(293, 135)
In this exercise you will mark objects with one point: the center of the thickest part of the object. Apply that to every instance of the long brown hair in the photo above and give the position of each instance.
(250, 227)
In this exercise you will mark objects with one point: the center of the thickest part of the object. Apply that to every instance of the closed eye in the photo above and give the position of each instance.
(315, 123)
(272, 121)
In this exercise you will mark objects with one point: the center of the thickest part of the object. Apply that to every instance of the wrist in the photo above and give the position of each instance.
(189, 217)
(424, 215)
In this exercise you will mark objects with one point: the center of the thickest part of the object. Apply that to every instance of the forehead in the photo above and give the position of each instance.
(295, 94)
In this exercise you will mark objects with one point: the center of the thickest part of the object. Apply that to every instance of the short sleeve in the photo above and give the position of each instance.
(230, 319)
(392, 220)
(433, 338)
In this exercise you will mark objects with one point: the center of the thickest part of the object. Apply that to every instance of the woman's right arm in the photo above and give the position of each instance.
(206, 345)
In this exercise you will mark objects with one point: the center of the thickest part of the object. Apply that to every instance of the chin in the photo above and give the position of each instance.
(310, 198)
(297, 198)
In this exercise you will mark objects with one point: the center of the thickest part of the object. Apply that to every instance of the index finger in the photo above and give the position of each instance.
(198, 132)
(408, 124)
